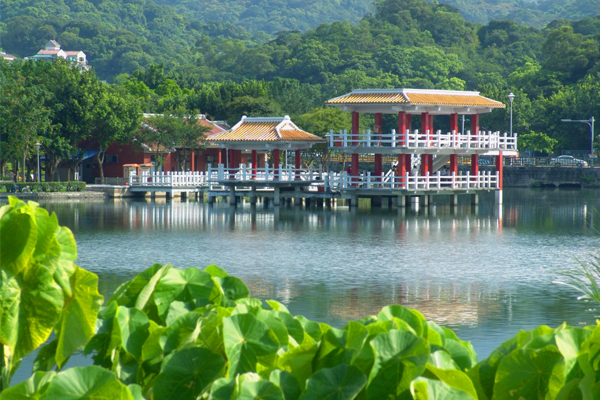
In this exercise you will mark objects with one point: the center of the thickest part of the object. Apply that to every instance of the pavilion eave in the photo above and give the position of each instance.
(265, 146)
(414, 109)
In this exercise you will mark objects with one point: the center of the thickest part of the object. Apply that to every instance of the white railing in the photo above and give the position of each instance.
(170, 179)
(344, 181)
(215, 178)
(485, 140)
(247, 173)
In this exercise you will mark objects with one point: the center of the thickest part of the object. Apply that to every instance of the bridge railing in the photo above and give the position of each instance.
(345, 181)
(245, 173)
(214, 179)
(170, 179)
(486, 140)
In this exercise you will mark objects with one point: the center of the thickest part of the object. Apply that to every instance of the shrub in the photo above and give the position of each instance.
(74, 186)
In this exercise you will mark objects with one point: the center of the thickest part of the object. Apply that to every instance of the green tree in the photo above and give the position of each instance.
(24, 118)
(116, 118)
(251, 107)
(537, 142)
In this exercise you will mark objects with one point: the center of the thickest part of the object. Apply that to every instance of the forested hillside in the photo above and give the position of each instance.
(272, 16)
(167, 61)
(528, 12)
(116, 36)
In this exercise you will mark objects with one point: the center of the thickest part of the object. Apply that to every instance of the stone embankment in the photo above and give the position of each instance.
(551, 176)
(55, 195)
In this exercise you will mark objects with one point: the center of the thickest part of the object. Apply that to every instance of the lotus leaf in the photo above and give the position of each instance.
(342, 382)
(187, 373)
(247, 339)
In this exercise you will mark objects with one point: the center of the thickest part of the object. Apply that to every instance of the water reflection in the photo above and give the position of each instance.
(485, 271)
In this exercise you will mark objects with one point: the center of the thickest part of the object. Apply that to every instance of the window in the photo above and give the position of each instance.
(111, 158)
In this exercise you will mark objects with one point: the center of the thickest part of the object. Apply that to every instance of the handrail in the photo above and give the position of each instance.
(487, 140)
(216, 177)
(482, 180)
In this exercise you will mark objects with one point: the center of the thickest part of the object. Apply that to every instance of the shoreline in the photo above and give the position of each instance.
(55, 195)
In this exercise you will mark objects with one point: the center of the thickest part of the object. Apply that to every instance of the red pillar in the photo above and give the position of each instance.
(475, 124)
(475, 132)
(222, 156)
(276, 163)
(377, 130)
(297, 163)
(454, 123)
(193, 160)
(354, 169)
(500, 169)
(431, 132)
(424, 123)
(402, 128)
(474, 164)
(453, 164)
(355, 127)
(424, 164)
(254, 163)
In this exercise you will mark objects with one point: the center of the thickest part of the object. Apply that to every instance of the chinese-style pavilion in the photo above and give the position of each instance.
(426, 105)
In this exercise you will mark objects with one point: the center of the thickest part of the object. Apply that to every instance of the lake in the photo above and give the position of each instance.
(484, 271)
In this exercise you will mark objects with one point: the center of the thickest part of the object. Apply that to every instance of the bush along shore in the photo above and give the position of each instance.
(37, 187)
(197, 334)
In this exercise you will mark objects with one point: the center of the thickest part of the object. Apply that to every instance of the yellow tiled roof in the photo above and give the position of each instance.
(415, 96)
(453, 100)
(369, 98)
(260, 130)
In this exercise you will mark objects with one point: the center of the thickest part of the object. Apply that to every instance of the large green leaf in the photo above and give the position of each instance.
(287, 383)
(299, 361)
(222, 389)
(138, 291)
(18, 236)
(569, 342)
(232, 289)
(530, 374)
(187, 373)
(412, 317)
(211, 330)
(31, 389)
(189, 285)
(130, 331)
(86, 383)
(78, 320)
(341, 346)
(252, 387)
(185, 329)
(456, 381)
(342, 382)
(400, 356)
(246, 339)
(431, 389)
(483, 374)
(40, 286)
(32, 304)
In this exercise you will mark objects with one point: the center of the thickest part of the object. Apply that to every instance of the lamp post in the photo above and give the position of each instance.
(37, 146)
(590, 123)
(511, 97)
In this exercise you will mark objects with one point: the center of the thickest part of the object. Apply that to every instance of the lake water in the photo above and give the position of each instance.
(485, 272)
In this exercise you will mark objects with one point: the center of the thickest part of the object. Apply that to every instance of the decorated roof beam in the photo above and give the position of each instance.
(415, 101)
(265, 133)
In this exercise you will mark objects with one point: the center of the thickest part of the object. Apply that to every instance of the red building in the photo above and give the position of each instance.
(118, 155)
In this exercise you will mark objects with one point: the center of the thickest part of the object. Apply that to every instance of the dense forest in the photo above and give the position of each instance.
(169, 61)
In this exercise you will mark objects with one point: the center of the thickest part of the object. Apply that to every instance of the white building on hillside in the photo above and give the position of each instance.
(52, 51)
